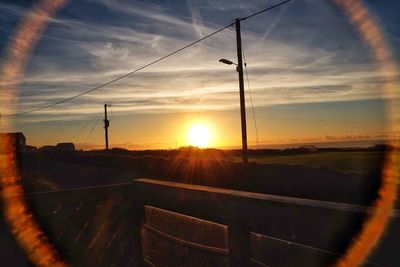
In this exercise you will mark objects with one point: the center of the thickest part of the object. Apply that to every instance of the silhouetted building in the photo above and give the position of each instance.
(66, 146)
(29, 148)
(47, 148)
(18, 139)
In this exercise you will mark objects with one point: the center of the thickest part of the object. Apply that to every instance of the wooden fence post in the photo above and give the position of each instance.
(239, 240)
(138, 217)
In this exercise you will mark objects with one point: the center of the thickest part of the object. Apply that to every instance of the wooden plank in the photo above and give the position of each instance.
(239, 240)
(323, 225)
(266, 197)
(136, 242)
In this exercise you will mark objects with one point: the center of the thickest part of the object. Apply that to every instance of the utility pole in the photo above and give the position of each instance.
(241, 91)
(106, 124)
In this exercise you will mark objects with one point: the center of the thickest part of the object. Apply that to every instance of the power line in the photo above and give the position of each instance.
(94, 126)
(265, 9)
(85, 126)
(120, 77)
(110, 111)
(143, 67)
(251, 99)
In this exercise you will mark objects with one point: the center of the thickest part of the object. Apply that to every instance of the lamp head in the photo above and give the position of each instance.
(225, 61)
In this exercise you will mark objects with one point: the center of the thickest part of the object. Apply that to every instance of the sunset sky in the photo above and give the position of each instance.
(312, 78)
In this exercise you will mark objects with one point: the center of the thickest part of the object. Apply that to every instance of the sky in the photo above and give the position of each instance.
(311, 76)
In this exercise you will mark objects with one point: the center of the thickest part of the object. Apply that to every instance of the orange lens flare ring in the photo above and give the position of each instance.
(27, 231)
(374, 226)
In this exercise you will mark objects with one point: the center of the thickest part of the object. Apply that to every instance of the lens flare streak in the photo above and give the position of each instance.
(15, 208)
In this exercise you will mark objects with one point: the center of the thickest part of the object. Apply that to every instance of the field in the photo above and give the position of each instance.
(360, 162)
(350, 176)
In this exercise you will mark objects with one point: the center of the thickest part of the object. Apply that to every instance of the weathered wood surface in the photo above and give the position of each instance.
(105, 226)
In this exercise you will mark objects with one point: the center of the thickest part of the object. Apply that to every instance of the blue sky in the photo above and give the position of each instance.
(311, 75)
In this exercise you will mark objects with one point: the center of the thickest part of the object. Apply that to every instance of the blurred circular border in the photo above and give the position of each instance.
(15, 208)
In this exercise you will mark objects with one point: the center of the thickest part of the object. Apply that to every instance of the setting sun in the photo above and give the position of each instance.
(198, 135)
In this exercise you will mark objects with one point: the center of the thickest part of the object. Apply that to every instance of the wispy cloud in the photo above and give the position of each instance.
(77, 54)
(197, 20)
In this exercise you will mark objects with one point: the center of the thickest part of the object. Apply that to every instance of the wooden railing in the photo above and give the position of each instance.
(111, 226)
(263, 230)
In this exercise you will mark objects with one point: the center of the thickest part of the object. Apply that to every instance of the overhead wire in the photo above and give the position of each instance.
(143, 67)
(85, 126)
(94, 126)
(120, 77)
(111, 112)
(265, 9)
(251, 99)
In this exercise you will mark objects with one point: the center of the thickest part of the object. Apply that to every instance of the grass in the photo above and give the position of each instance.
(359, 162)
(350, 176)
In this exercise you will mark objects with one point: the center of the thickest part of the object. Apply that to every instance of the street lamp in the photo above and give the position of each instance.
(239, 68)
(228, 62)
